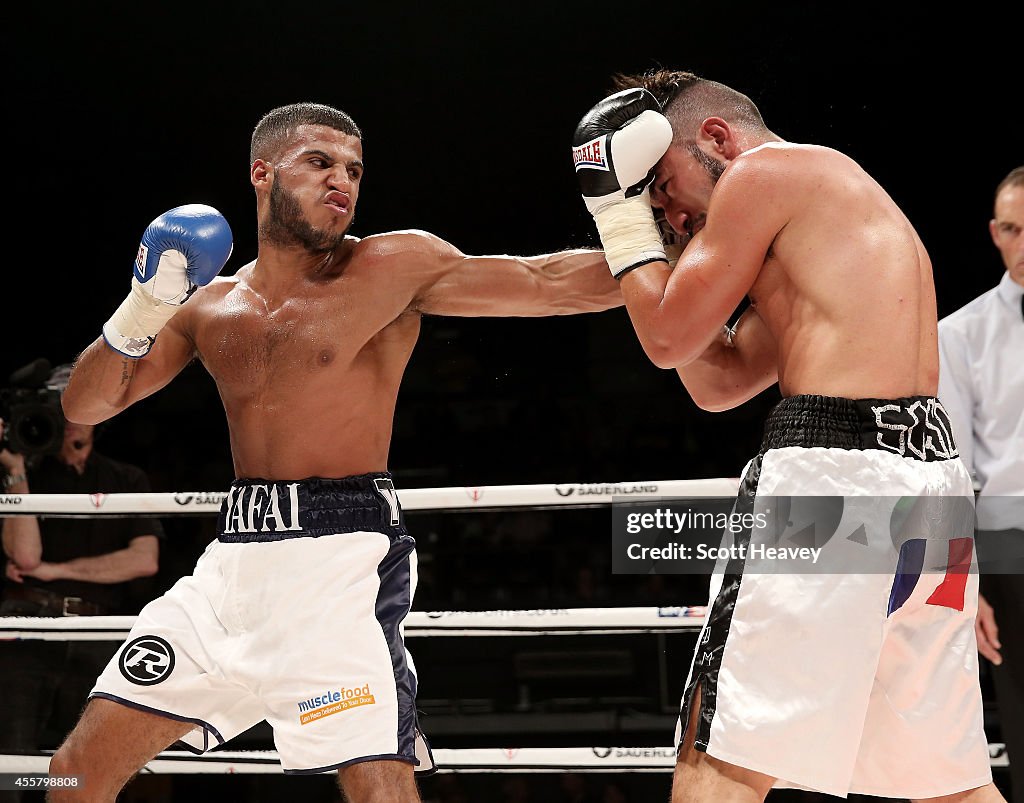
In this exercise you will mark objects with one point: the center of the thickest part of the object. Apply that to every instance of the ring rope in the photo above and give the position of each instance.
(565, 495)
(468, 760)
(543, 622)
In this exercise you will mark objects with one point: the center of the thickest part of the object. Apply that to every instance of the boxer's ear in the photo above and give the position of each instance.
(719, 134)
(259, 173)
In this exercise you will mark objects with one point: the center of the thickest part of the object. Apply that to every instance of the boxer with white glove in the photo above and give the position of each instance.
(615, 148)
(181, 251)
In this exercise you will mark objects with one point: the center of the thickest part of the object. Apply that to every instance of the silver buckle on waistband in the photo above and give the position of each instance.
(65, 605)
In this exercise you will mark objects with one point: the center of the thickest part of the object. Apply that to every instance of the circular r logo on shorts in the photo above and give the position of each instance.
(146, 660)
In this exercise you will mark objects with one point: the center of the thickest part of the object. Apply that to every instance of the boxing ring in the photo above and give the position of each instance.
(565, 622)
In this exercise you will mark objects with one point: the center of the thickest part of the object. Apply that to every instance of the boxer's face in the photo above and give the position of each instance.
(314, 187)
(683, 180)
(1008, 230)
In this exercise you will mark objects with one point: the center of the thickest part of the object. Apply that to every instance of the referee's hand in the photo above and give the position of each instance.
(987, 631)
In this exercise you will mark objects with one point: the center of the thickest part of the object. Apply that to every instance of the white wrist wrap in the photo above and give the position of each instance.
(135, 324)
(629, 234)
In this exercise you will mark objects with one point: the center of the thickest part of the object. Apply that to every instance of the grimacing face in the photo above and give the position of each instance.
(683, 181)
(314, 189)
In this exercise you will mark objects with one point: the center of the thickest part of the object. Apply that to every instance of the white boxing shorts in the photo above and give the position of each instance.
(853, 668)
(293, 615)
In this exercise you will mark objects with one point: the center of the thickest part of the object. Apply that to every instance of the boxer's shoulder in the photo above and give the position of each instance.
(412, 254)
(790, 166)
(217, 290)
(400, 244)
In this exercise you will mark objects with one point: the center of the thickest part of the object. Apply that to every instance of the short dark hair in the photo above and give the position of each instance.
(687, 99)
(278, 124)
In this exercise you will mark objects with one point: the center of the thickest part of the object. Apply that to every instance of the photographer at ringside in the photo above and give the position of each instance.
(63, 567)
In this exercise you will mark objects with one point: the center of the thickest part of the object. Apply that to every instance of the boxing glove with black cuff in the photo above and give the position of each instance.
(615, 148)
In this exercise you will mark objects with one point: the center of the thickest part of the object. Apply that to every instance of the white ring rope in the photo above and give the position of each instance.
(525, 759)
(544, 622)
(482, 497)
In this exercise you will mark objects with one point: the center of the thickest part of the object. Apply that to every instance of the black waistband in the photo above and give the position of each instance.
(916, 427)
(273, 510)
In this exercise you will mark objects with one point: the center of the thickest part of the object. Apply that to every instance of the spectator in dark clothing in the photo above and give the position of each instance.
(65, 567)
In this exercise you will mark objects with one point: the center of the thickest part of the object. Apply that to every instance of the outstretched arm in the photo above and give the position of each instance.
(448, 282)
(739, 364)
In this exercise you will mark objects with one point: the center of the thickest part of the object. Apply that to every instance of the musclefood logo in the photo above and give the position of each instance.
(333, 701)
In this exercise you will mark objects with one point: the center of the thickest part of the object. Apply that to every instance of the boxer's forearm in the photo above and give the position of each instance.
(738, 365)
(562, 283)
(673, 331)
(99, 385)
(575, 281)
(105, 381)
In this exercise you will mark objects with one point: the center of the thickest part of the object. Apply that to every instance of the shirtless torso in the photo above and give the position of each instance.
(851, 307)
(842, 301)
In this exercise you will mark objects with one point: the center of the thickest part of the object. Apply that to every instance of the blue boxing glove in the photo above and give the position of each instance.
(181, 251)
(615, 148)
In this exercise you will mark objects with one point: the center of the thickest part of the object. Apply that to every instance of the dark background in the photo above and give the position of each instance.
(122, 112)
(117, 112)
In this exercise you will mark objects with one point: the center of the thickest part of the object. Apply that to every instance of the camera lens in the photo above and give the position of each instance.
(36, 432)
(36, 425)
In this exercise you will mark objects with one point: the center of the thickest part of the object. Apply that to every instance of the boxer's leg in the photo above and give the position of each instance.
(110, 743)
(700, 778)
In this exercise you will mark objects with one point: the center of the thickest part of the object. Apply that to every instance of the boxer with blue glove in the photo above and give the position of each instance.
(307, 344)
(181, 251)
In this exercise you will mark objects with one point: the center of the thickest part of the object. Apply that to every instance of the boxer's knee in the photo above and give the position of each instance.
(379, 782)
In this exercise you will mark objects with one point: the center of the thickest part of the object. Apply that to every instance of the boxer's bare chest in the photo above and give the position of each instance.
(248, 341)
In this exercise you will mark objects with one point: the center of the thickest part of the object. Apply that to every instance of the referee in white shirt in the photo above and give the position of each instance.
(981, 385)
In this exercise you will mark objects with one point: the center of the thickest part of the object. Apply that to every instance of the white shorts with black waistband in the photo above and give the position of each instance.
(856, 672)
(303, 632)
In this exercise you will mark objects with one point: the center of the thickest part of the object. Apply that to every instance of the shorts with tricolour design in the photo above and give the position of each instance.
(293, 615)
(849, 664)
